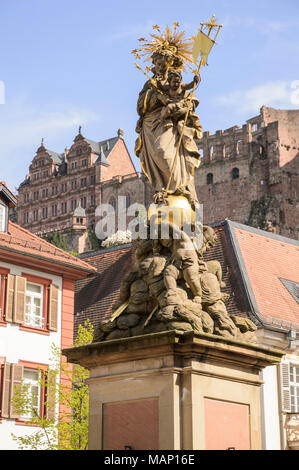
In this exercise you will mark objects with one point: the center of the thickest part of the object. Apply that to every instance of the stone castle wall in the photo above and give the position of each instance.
(250, 174)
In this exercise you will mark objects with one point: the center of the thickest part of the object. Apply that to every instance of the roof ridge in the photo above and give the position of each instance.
(54, 249)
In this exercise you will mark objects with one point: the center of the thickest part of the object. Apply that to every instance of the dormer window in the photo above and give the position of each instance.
(3, 218)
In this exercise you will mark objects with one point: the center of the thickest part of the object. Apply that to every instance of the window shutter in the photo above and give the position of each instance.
(6, 390)
(53, 308)
(10, 292)
(51, 395)
(285, 386)
(16, 378)
(19, 300)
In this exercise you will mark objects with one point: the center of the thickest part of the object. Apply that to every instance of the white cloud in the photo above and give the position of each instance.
(270, 94)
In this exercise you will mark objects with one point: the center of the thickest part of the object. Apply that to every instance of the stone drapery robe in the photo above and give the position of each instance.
(158, 140)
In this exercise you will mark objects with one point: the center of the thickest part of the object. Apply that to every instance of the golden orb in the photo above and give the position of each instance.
(177, 211)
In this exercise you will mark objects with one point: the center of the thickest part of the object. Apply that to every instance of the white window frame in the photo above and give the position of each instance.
(31, 317)
(294, 387)
(3, 209)
(32, 383)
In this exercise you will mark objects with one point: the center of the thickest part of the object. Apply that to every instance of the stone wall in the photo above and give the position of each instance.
(250, 174)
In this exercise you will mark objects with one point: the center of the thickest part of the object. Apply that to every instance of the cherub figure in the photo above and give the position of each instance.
(175, 100)
(184, 260)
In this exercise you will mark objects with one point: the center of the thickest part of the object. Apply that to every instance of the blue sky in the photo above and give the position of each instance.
(66, 63)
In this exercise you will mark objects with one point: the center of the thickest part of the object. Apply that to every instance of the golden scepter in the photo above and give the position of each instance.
(202, 46)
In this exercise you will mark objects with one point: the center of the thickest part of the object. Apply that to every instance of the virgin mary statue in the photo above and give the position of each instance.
(162, 106)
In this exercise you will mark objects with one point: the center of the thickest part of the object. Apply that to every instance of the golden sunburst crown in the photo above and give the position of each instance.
(171, 43)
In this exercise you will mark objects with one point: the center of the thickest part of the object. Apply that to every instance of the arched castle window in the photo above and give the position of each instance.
(210, 178)
(211, 152)
(235, 173)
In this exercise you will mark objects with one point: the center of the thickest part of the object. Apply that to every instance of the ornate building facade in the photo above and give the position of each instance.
(61, 186)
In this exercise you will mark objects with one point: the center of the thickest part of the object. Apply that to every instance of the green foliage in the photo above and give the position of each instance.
(73, 253)
(57, 239)
(95, 242)
(69, 429)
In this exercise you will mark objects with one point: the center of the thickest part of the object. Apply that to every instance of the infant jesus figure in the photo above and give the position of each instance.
(176, 99)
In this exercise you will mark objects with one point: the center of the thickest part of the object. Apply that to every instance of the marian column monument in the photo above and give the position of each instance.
(171, 365)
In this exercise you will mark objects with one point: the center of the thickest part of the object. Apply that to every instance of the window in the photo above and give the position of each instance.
(238, 147)
(294, 388)
(3, 211)
(235, 173)
(63, 207)
(34, 305)
(83, 202)
(54, 210)
(34, 378)
(63, 187)
(254, 127)
(74, 165)
(84, 162)
(54, 190)
(92, 179)
(128, 201)
(210, 178)
(26, 217)
(35, 215)
(83, 182)
(3, 275)
(35, 195)
(74, 204)
(74, 184)
(45, 192)
(92, 200)
(32, 381)
(45, 212)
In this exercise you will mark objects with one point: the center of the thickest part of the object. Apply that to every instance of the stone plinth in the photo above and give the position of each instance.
(174, 391)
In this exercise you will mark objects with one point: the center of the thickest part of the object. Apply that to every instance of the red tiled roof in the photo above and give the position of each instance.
(95, 295)
(23, 242)
(266, 260)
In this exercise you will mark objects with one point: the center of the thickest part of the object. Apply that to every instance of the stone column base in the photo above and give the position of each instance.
(170, 391)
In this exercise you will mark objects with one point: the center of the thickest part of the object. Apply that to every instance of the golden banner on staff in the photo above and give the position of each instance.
(202, 46)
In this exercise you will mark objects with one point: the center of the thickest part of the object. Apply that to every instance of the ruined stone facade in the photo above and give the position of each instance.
(250, 174)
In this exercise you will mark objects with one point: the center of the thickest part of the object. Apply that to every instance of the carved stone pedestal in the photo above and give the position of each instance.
(174, 391)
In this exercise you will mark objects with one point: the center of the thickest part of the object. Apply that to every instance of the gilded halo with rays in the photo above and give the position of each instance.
(171, 42)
